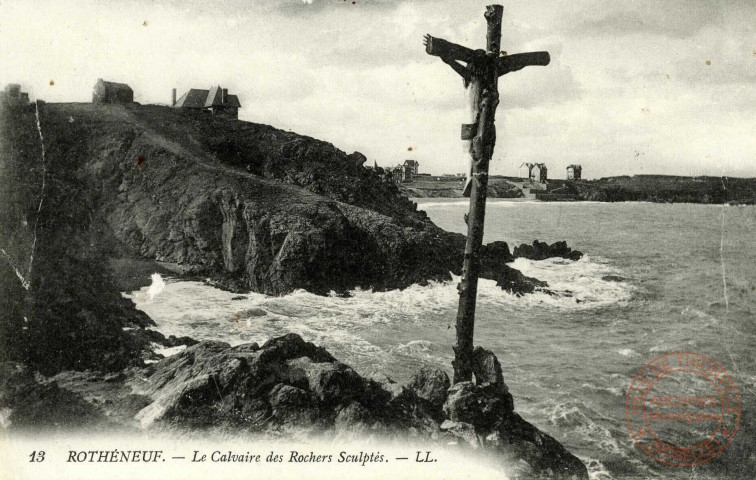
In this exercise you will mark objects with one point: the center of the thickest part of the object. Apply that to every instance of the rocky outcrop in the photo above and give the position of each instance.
(542, 250)
(493, 256)
(247, 206)
(289, 384)
(667, 189)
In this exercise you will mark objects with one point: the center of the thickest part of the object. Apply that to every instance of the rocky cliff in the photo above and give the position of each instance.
(247, 206)
(251, 208)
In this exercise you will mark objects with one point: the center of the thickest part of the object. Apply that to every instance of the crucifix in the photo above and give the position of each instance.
(480, 75)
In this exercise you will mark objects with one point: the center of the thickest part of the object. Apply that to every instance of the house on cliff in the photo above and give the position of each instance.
(405, 172)
(13, 97)
(412, 167)
(216, 100)
(112, 92)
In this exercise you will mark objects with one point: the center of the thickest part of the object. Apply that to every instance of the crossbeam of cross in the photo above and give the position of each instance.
(480, 74)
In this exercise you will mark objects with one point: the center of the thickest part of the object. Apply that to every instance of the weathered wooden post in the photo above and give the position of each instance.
(480, 76)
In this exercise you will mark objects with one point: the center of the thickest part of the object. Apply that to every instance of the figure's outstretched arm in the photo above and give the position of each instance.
(444, 49)
(518, 61)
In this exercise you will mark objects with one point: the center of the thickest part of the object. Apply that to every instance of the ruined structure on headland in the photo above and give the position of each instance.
(112, 92)
(574, 172)
(216, 100)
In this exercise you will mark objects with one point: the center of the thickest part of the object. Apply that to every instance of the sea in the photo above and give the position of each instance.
(655, 279)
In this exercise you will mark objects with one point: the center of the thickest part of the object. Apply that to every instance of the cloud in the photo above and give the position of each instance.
(308, 7)
(668, 18)
(624, 76)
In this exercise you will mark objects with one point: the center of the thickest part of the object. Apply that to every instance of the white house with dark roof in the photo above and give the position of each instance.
(216, 100)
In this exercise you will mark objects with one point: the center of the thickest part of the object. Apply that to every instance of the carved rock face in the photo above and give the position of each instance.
(431, 384)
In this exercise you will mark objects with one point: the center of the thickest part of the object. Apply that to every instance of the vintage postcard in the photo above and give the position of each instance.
(377, 239)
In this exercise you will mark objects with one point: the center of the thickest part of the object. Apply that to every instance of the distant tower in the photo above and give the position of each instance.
(543, 171)
(574, 172)
(173, 97)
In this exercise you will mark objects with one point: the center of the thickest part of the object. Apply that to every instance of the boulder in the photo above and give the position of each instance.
(514, 282)
(462, 432)
(495, 254)
(353, 417)
(431, 384)
(489, 377)
(481, 407)
(542, 250)
(486, 368)
(542, 454)
(332, 383)
(26, 403)
(291, 405)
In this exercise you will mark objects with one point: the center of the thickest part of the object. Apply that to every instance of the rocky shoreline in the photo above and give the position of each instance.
(247, 208)
(289, 384)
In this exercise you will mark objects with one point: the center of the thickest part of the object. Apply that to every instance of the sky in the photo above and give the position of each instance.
(634, 87)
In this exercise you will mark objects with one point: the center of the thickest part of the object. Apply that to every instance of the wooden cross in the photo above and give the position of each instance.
(480, 74)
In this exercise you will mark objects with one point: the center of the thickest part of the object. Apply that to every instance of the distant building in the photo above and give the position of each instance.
(405, 172)
(574, 172)
(398, 173)
(544, 172)
(13, 97)
(216, 100)
(412, 166)
(112, 92)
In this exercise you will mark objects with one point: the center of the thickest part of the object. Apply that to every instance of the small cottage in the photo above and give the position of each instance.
(13, 97)
(215, 100)
(112, 92)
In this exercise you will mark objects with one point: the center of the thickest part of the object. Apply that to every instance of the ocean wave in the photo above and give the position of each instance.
(422, 349)
(570, 416)
(168, 351)
(613, 391)
(693, 313)
(369, 328)
(596, 469)
(575, 285)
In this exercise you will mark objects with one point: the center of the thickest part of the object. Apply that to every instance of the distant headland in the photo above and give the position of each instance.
(635, 188)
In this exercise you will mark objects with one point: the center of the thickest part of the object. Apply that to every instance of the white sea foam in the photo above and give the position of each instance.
(692, 313)
(596, 469)
(157, 286)
(614, 391)
(570, 416)
(168, 351)
(575, 285)
(628, 352)
(359, 327)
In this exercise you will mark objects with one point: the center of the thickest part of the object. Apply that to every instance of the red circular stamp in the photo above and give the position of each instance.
(683, 409)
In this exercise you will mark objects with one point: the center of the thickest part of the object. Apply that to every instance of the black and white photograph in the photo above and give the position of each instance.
(378, 239)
